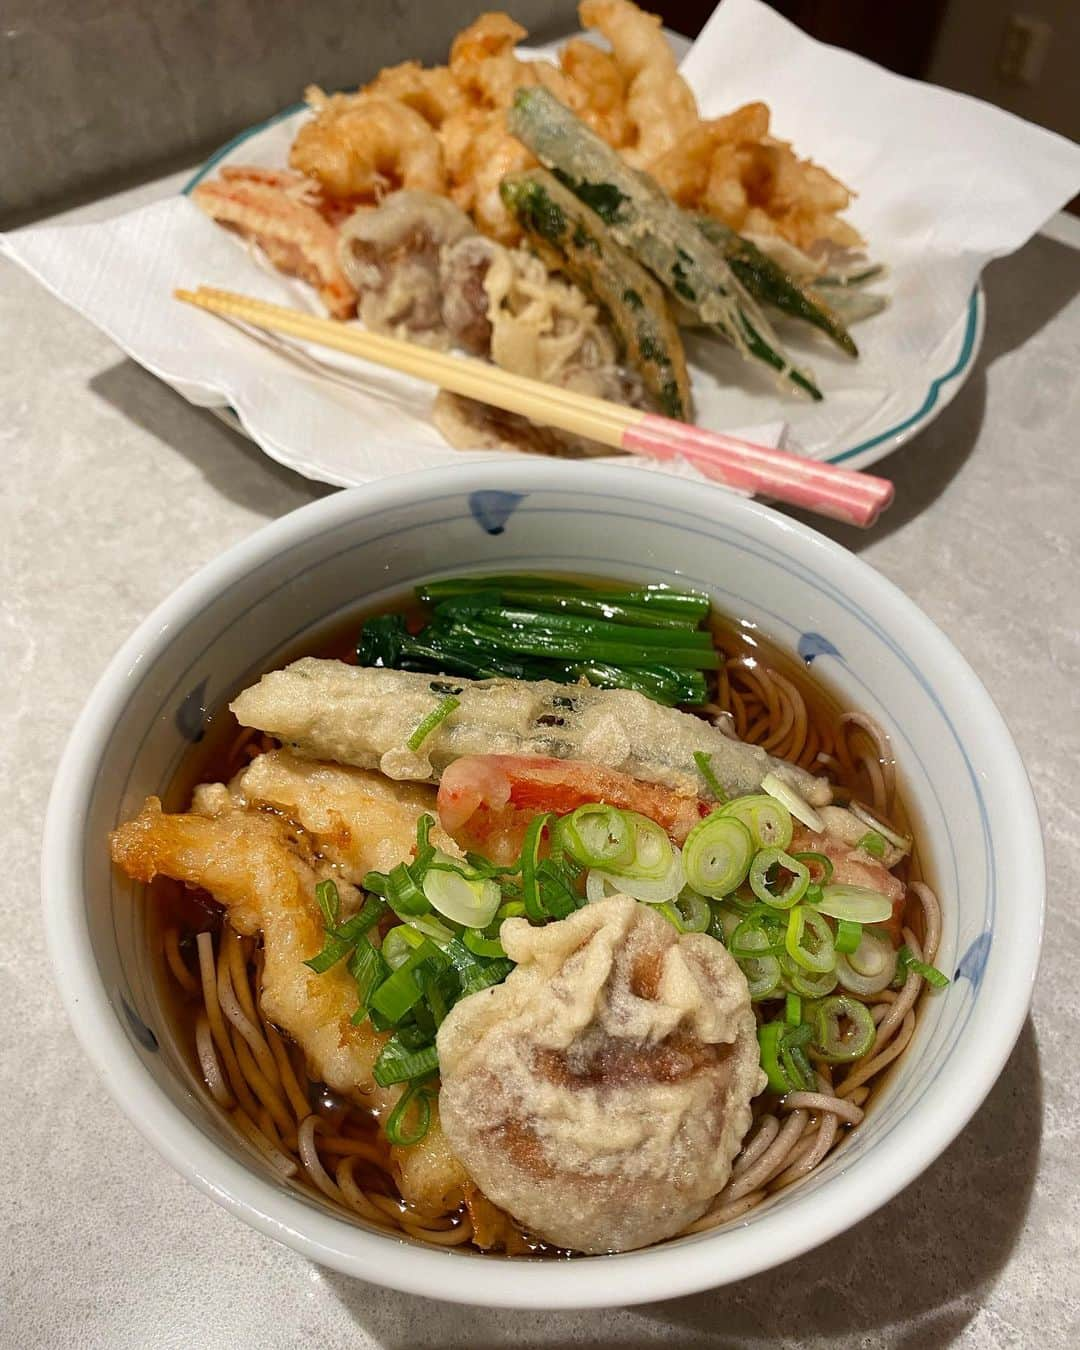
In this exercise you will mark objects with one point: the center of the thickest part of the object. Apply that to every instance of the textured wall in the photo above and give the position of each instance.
(98, 93)
(969, 43)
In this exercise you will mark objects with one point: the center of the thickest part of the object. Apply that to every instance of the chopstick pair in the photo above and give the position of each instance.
(841, 494)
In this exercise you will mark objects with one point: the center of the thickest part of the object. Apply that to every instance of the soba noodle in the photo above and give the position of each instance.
(337, 1150)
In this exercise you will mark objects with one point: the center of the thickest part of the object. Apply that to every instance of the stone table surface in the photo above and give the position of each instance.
(115, 490)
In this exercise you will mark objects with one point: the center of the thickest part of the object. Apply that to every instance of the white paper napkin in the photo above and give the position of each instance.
(945, 184)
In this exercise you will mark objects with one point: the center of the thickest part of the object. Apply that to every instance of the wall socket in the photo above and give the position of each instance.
(1024, 41)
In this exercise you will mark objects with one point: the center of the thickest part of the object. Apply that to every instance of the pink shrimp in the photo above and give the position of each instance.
(487, 801)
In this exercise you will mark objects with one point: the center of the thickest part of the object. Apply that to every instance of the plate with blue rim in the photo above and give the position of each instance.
(881, 417)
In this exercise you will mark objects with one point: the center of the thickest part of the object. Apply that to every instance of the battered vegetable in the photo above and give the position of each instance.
(768, 282)
(646, 222)
(581, 245)
(365, 717)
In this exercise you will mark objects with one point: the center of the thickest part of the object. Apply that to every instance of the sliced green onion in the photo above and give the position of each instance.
(935, 978)
(717, 854)
(689, 912)
(769, 1036)
(471, 901)
(790, 799)
(808, 983)
(705, 768)
(397, 1063)
(530, 857)
(752, 938)
(480, 944)
(767, 819)
(857, 903)
(483, 868)
(797, 1068)
(724, 922)
(368, 969)
(397, 995)
(403, 894)
(764, 862)
(492, 973)
(431, 928)
(793, 1010)
(762, 976)
(396, 1132)
(873, 843)
(848, 936)
(599, 883)
(870, 967)
(399, 944)
(334, 950)
(821, 868)
(597, 835)
(836, 1042)
(353, 929)
(651, 849)
(809, 940)
(436, 717)
(879, 827)
(425, 851)
(340, 941)
(326, 893)
(557, 897)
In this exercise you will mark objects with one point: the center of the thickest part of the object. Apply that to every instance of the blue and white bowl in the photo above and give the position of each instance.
(241, 614)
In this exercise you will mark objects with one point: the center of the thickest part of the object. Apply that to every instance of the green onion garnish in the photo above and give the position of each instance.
(935, 978)
(413, 1096)
(717, 855)
(479, 944)
(404, 895)
(844, 1029)
(530, 857)
(769, 865)
(873, 843)
(705, 768)
(793, 1010)
(398, 1061)
(326, 893)
(821, 868)
(437, 715)
(368, 969)
(809, 940)
(339, 941)
(768, 820)
(848, 936)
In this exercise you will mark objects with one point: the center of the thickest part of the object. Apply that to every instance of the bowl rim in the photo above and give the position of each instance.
(659, 1272)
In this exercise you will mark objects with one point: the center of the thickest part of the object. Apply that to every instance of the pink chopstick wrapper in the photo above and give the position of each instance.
(841, 494)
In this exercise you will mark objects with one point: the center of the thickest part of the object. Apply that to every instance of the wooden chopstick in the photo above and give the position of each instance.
(842, 494)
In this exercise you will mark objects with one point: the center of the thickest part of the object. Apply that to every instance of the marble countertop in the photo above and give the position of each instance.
(106, 1246)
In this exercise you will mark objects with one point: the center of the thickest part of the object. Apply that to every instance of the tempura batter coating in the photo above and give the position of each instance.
(601, 1093)
(262, 868)
(364, 716)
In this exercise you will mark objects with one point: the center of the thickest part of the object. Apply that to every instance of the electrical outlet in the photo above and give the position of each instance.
(1024, 41)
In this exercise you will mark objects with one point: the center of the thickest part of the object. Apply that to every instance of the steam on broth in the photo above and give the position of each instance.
(777, 938)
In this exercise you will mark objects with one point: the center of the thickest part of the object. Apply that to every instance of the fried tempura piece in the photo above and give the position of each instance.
(601, 1093)
(659, 102)
(433, 93)
(364, 715)
(290, 220)
(360, 147)
(596, 73)
(263, 870)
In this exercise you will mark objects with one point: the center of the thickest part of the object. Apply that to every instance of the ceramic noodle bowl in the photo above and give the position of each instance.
(254, 607)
